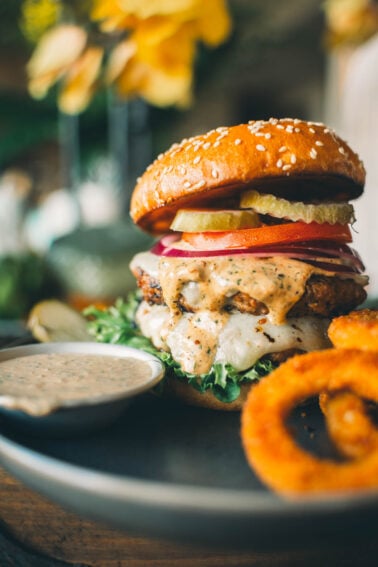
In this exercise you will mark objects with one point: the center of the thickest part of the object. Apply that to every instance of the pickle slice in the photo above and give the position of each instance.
(189, 220)
(264, 204)
(55, 321)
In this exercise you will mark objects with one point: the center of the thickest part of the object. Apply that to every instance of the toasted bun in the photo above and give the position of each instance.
(288, 157)
(179, 390)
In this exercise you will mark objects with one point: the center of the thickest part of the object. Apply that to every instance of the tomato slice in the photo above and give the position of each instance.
(279, 233)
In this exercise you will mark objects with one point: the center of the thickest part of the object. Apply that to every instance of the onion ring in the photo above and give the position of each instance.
(349, 427)
(348, 424)
(358, 329)
(269, 447)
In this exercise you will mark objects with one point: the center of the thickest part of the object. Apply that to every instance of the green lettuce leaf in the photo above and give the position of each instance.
(116, 325)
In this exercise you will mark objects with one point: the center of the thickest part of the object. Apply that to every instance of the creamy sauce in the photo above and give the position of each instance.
(277, 282)
(195, 340)
(41, 381)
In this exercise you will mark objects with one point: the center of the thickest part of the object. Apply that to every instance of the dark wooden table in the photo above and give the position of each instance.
(37, 533)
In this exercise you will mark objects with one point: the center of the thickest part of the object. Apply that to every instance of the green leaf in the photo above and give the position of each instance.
(116, 325)
(228, 394)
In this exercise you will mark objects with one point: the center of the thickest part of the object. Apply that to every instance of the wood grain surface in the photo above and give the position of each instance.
(37, 533)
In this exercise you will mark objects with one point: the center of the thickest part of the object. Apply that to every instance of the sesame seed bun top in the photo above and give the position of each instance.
(291, 158)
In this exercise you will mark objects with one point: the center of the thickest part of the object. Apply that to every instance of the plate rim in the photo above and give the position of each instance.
(15, 456)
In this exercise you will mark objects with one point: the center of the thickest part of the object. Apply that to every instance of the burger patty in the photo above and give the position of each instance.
(323, 297)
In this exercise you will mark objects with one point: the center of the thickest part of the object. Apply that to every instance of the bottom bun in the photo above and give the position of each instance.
(179, 390)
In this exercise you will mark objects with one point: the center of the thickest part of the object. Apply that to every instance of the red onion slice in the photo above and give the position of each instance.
(313, 252)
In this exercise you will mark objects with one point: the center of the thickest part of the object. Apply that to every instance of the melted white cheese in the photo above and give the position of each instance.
(210, 333)
(240, 340)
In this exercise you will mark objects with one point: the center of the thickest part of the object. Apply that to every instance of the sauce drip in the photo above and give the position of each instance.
(277, 282)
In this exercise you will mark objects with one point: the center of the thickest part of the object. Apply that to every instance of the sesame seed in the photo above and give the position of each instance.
(221, 129)
(297, 121)
(257, 133)
(282, 149)
(297, 130)
(273, 121)
(268, 136)
(261, 148)
(138, 179)
(313, 153)
(216, 144)
(279, 163)
(293, 158)
(201, 183)
(255, 126)
(182, 169)
(289, 129)
(169, 168)
(341, 150)
(206, 146)
(319, 143)
(187, 184)
(326, 130)
(286, 167)
(311, 130)
(160, 156)
(214, 173)
(237, 141)
(197, 160)
(280, 127)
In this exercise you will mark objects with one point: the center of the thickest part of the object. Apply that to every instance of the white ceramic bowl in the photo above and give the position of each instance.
(76, 415)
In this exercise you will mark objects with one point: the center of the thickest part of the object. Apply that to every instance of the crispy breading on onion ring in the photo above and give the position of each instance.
(358, 329)
(270, 448)
(348, 424)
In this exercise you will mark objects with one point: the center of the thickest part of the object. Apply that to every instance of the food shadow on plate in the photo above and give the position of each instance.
(160, 440)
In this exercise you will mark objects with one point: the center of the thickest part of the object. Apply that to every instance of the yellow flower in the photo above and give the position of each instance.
(57, 50)
(147, 8)
(157, 60)
(111, 16)
(351, 21)
(210, 17)
(157, 86)
(159, 71)
(80, 81)
(37, 16)
(165, 89)
(167, 46)
(214, 23)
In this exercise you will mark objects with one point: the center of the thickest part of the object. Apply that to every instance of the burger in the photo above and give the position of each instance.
(252, 258)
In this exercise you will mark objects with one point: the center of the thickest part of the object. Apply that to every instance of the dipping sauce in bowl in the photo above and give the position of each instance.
(90, 379)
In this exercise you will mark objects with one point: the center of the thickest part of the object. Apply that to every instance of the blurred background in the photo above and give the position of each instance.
(92, 91)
